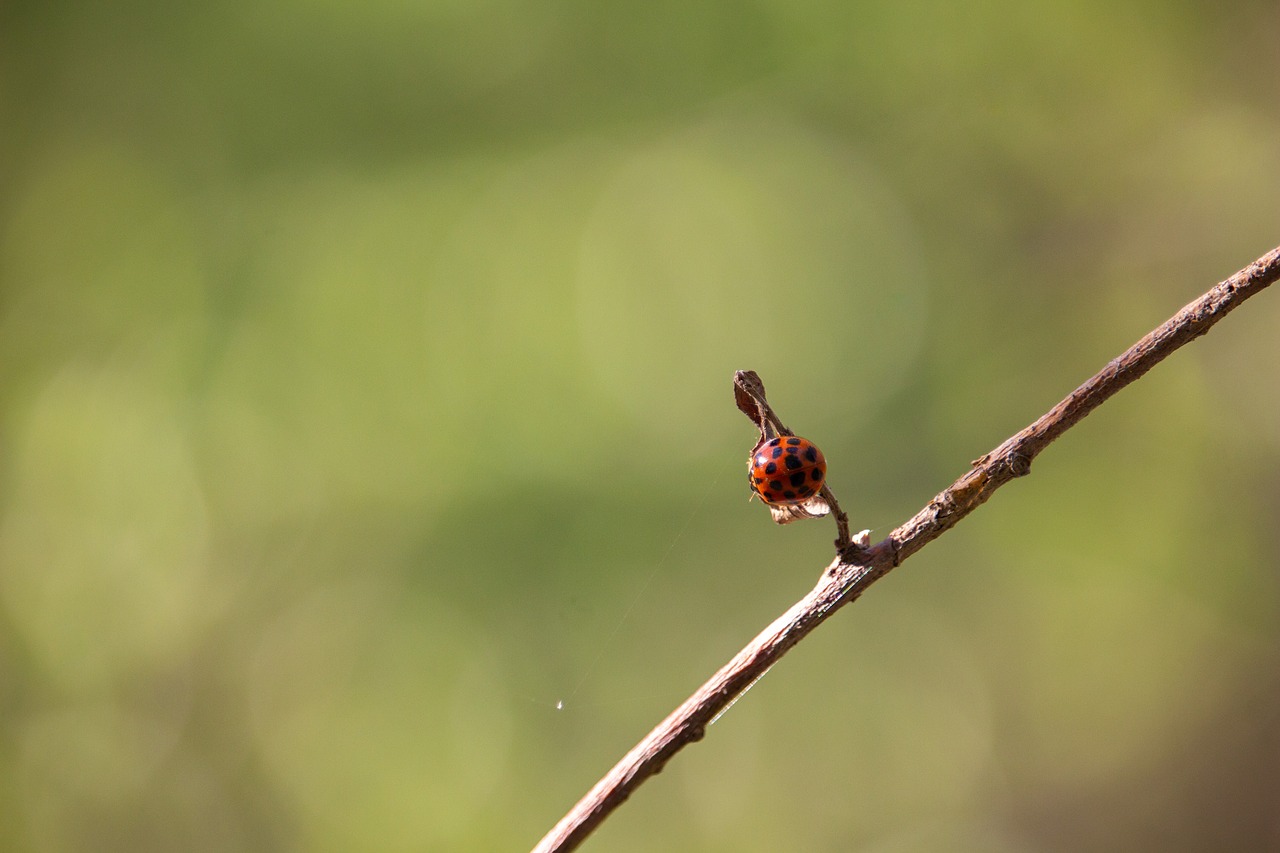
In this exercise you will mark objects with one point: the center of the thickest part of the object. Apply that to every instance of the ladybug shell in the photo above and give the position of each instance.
(787, 470)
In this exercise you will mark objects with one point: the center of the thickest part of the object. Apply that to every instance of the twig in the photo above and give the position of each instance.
(855, 569)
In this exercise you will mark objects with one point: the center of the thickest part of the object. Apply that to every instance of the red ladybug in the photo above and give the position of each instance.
(787, 470)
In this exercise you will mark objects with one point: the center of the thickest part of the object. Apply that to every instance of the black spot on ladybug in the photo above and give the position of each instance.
(793, 441)
(777, 451)
(806, 491)
(789, 495)
(793, 451)
(817, 474)
(792, 463)
(769, 496)
(775, 484)
(811, 454)
(771, 468)
(757, 480)
(774, 443)
(797, 479)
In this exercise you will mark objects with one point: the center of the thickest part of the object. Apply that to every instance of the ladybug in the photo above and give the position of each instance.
(787, 470)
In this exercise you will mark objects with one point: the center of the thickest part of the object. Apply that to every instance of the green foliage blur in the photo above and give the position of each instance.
(370, 477)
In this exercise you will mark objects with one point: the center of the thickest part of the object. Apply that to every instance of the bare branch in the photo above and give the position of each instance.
(855, 569)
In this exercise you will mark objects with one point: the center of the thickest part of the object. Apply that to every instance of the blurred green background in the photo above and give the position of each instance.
(370, 473)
